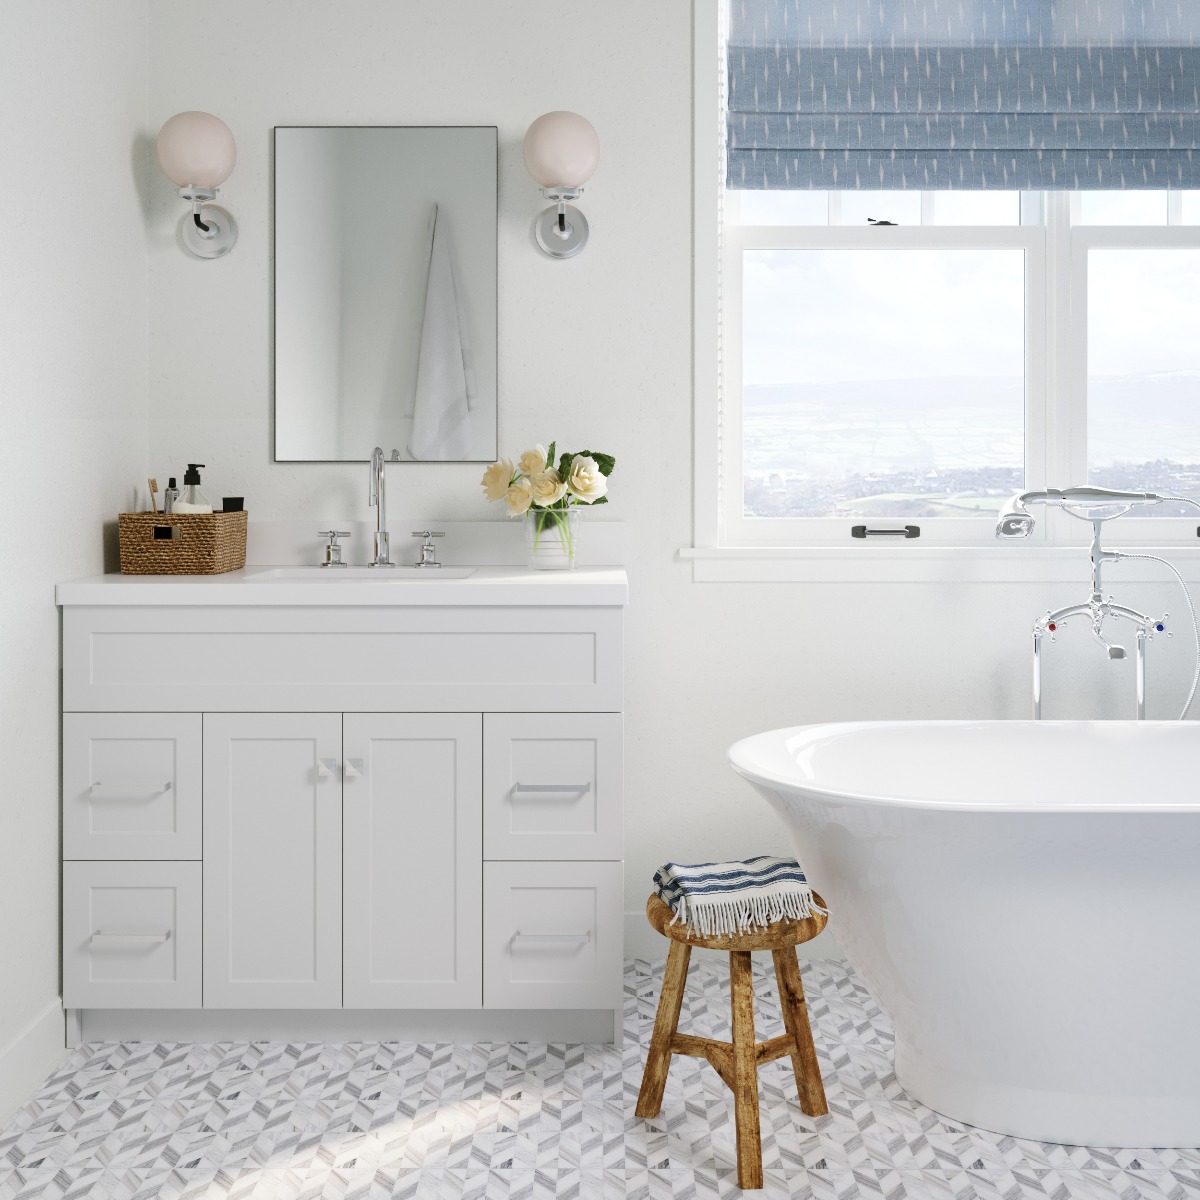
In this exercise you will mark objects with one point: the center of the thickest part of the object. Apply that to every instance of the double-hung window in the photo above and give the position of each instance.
(949, 254)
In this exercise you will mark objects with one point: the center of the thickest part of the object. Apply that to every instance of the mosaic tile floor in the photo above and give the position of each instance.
(447, 1122)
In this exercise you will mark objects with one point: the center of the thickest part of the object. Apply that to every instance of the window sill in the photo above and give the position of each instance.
(928, 564)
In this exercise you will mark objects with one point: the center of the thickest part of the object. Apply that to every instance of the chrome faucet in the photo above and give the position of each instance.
(1096, 505)
(376, 498)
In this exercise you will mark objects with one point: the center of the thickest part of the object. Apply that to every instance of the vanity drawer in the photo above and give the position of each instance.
(131, 935)
(552, 934)
(335, 656)
(552, 786)
(131, 785)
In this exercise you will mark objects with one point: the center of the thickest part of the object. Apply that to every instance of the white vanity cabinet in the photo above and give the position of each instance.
(363, 801)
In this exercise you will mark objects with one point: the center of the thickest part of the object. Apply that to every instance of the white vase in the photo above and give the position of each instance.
(550, 538)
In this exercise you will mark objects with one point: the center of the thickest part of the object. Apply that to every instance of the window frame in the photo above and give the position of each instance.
(1056, 383)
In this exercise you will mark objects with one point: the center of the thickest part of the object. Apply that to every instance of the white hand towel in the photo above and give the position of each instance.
(445, 380)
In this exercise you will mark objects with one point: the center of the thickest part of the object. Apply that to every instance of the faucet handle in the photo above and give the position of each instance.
(428, 553)
(333, 552)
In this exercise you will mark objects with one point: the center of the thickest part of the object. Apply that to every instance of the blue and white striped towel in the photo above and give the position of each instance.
(718, 899)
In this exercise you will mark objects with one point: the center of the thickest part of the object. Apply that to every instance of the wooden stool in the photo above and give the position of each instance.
(737, 1062)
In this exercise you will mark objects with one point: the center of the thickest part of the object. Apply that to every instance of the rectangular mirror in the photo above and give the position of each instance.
(385, 293)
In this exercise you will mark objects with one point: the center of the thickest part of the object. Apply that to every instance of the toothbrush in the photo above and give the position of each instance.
(153, 492)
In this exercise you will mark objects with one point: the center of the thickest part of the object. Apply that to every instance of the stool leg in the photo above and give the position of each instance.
(745, 1072)
(795, 1019)
(658, 1060)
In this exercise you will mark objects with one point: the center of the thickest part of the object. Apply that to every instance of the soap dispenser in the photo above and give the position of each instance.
(193, 499)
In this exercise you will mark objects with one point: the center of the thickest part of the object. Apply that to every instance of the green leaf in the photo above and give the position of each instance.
(550, 454)
(564, 466)
(599, 500)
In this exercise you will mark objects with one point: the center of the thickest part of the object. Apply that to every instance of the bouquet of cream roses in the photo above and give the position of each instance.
(547, 492)
(535, 482)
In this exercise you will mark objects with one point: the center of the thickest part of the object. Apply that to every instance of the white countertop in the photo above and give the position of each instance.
(258, 585)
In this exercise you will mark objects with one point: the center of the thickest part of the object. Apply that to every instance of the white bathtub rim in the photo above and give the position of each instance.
(1064, 1119)
(743, 759)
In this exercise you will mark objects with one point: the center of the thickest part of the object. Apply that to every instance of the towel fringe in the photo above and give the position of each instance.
(726, 916)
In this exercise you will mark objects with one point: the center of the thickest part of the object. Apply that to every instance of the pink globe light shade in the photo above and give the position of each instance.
(196, 148)
(561, 150)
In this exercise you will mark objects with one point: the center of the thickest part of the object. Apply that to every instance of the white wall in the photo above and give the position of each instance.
(72, 430)
(595, 351)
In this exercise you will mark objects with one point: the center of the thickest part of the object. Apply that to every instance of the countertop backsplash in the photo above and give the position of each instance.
(467, 543)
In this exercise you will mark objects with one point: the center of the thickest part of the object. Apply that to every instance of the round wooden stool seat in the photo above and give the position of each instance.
(779, 935)
(737, 1062)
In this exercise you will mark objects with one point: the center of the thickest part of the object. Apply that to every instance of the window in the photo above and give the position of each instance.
(878, 378)
(901, 373)
(901, 356)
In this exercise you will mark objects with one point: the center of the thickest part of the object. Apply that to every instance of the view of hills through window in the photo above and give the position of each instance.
(882, 382)
(890, 383)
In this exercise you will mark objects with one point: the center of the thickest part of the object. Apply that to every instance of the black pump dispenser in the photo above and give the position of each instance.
(193, 499)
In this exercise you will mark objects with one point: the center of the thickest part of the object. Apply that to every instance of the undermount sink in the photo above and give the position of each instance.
(398, 574)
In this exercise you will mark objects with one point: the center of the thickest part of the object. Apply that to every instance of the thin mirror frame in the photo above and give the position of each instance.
(274, 300)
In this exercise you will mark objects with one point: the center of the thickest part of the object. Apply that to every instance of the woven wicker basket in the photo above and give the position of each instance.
(182, 543)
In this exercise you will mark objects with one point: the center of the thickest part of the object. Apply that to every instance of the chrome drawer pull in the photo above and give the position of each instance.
(327, 768)
(561, 939)
(134, 785)
(353, 768)
(542, 789)
(128, 939)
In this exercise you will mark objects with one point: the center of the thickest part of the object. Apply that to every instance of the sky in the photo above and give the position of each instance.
(814, 316)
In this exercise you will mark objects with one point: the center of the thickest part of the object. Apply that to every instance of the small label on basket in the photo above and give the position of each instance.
(164, 533)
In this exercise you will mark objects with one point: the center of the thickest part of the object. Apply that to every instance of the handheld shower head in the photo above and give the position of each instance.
(1015, 520)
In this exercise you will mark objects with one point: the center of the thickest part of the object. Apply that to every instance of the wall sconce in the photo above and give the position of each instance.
(561, 152)
(196, 151)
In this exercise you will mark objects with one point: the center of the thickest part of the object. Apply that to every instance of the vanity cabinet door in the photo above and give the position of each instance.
(413, 849)
(272, 860)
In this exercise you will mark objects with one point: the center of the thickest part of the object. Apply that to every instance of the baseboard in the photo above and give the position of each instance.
(31, 1057)
(348, 1025)
(642, 941)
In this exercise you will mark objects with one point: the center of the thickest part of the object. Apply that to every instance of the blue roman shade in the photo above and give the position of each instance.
(1020, 94)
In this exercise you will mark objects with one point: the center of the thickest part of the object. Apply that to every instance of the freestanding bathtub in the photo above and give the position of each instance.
(1023, 899)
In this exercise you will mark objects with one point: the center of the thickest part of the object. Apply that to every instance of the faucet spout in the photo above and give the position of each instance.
(377, 499)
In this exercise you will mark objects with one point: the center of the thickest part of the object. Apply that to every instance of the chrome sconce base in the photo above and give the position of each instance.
(561, 231)
(208, 231)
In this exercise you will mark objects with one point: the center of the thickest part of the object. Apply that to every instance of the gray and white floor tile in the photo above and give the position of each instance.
(369, 1121)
